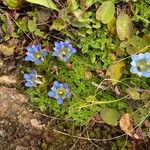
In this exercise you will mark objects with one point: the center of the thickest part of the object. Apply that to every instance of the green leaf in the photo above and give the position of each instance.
(110, 116)
(115, 71)
(46, 3)
(124, 26)
(105, 12)
(32, 26)
(72, 5)
(134, 94)
(13, 4)
(58, 24)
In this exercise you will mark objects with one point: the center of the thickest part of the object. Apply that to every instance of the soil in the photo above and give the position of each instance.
(22, 127)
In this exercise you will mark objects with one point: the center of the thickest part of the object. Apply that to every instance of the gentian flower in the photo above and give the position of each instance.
(35, 54)
(141, 64)
(63, 50)
(32, 79)
(59, 92)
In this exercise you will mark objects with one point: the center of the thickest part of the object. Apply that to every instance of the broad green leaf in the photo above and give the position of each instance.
(58, 24)
(110, 116)
(124, 26)
(115, 71)
(46, 3)
(105, 12)
(32, 26)
(138, 43)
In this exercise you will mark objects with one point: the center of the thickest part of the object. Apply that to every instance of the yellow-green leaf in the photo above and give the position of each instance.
(124, 26)
(134, 94)
(58, 24)
(46, 3)
(110, 116)
(105, 12)
(115, 71)
(72, 5)
(7, 50)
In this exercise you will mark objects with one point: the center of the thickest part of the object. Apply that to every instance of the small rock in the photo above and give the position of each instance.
(37, 124)
(21, 148)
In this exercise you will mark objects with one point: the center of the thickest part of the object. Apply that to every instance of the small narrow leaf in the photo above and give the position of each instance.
(110, 116)
(46, 3)
(105, 12)
(124, 26)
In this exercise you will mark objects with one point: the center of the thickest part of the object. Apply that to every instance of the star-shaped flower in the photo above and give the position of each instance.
(141, 64)
(35, 54)
(32, 79)
(63, 50)
(59, 91)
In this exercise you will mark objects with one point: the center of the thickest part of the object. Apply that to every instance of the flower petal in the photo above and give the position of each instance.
(55, 53)
(66, 43)
(30, 49)
(133, 69)
(147, 56)
(44, 53)
(139, 73)
(27, 76)
(65, 85)
(51, 94)
(141, 56)
(56, 84)
(57, 45)
(37, 61)
(33, 73)
(133, 63)
(73, 50)
(28, 58)
(29, 84)
(68, 95)
(38, 46)
(146, 74)
(135, 58)
(64, 58)
(59, 101)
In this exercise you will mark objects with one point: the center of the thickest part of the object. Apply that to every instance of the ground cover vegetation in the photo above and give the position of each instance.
(83, 59)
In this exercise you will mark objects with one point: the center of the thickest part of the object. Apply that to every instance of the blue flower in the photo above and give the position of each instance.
(35, 54)
(59, 92)
(141, 64)
(63, 50)
(32, 79)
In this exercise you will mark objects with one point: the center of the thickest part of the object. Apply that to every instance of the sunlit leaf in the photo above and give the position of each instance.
(124, 26)
(105, 12)
(110, 116)
(112, 26)
(32, 26)
(134, 94)
(46, 3)
(115, 71)
(72, 5)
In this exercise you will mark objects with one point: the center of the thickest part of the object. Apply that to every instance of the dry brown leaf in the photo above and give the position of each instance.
(126, 124)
